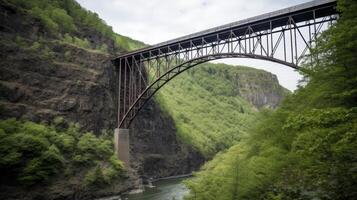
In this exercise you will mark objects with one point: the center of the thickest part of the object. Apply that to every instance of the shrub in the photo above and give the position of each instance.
(32, 153)
(68, 38)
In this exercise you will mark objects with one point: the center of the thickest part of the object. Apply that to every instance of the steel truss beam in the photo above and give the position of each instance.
(286, 40)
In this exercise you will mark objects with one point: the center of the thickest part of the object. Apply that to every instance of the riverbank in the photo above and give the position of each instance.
(158, 189)
(169, 188)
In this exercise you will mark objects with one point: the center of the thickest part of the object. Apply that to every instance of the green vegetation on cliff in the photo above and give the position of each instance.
(67, 21)
(34, 153)
(44, 43)
(307, 149)
(207, 105)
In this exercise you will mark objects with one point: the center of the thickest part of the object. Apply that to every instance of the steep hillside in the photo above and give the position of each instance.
(307, 148)
(49, 74)
(55, 61)
(213, 104)
(62, 20)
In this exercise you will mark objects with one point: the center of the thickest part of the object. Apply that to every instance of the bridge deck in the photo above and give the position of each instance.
(301, 12)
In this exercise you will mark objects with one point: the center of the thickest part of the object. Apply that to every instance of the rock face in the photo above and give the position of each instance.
(258, 87)
(58, 79)
(156, 151)
(264, 92)
(39, 89)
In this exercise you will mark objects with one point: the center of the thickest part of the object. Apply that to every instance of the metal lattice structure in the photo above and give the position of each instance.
(285, 36)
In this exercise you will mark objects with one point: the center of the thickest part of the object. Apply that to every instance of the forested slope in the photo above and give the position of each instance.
(213, 105)
(307, 148)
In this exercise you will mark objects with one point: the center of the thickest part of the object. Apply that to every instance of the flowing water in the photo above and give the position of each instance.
(172, 189)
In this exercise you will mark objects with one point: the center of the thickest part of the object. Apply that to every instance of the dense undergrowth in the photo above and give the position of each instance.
(33, 153)
(307, 149)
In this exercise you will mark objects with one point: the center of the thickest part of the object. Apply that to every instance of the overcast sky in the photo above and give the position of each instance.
(155, 21)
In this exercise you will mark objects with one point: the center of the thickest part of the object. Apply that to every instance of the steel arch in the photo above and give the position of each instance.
(285, 36)
(147, 94)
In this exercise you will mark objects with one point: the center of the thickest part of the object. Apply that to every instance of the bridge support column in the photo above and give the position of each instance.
(121, 145)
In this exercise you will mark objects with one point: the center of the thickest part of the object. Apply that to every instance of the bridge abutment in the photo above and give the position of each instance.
(121, 145)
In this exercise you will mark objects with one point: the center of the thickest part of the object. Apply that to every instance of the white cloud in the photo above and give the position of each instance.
(155, 21)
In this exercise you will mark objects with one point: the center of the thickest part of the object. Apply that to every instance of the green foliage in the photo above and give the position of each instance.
(81, 43)
(68, 38)
(20, 42)
(47, 53)
(307, 149)
(103, 174)
(32, 153)
(221, 179)
(103, 48)
(63, 20)
(94, 176)
(69, 18)
(205, 107)
(35, 46)
(127, 43)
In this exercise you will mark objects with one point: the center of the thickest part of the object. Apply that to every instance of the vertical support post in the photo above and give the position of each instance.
(121, 136)
(271, 39)
(119, 90)
(121, 145)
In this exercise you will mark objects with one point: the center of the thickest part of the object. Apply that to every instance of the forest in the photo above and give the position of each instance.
(307, 148)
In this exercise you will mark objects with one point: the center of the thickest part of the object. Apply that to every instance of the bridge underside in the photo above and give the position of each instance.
(284, 37)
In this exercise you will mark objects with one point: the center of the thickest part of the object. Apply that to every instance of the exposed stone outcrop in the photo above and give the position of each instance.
(265, 91)
(258, 87)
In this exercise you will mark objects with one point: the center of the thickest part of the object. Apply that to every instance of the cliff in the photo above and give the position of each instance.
(260, 88)
(43, 77)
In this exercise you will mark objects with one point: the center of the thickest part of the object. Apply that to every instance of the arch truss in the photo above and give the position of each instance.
(285, 36)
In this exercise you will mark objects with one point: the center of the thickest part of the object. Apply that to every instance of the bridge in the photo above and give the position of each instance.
(285, 36)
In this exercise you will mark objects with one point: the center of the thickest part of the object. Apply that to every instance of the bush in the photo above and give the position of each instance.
(32, 153)
(68, 38)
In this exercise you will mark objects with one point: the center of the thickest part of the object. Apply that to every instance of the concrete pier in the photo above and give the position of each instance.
(121, 145)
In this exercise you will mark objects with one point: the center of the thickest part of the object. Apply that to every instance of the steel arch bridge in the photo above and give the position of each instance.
(285, 36)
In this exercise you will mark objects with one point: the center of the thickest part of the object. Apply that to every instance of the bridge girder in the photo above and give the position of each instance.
(142, 73)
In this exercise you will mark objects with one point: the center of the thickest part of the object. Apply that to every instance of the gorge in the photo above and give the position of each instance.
(241, 134)
(46, 78)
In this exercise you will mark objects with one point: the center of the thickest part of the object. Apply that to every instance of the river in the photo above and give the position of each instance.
(172, 189)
